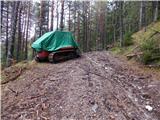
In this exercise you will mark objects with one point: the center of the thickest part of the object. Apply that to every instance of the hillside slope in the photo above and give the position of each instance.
(145, 48)
(141, 35)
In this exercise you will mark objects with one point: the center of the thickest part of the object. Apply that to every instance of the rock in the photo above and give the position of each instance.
(146, 96)
(149, 108)
(94, 107)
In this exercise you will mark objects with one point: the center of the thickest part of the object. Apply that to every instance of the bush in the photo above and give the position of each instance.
(151, 51)
(146, 57)
(128, 40)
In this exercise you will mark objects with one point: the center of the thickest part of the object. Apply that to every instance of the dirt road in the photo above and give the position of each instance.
(96, 86)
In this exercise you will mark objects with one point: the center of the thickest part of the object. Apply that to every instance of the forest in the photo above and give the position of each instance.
(96, 25)
(80, 60)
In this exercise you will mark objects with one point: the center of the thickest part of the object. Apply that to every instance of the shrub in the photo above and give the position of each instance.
(128, 40)
(146, 57)
(151, 50)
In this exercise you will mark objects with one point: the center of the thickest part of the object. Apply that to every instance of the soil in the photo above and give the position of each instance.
(97, 86)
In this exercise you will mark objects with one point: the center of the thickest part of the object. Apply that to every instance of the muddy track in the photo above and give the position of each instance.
(96, 86)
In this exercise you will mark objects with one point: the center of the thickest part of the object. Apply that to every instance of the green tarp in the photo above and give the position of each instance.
(54, 40)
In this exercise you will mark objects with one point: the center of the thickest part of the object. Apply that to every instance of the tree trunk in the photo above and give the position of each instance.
(33, 51)
(52, 15)
(26, 40)
(19, 34)
(74, 17)
(62, 14)
(41, 17)
(121, 23)
(47, 16)
(7, 30)
(142, 18)
(155, 11)
(97, 32)
(69, 19)
(2, 5)
(140, 13)
(78, 29)
(13, 31)
(84, 27)
(24, 35)
(57, 15)
(89, 27)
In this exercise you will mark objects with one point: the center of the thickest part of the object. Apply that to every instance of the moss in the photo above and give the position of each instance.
(116, 50)
(141, 35)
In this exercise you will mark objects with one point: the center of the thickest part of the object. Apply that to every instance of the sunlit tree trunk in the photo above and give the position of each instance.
(155, 11)
(142, 18)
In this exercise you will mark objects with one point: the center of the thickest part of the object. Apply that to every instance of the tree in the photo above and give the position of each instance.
(155, 10)
(69, 18)
(142, 21)
(7, 17)
(26, 39)
(95, 24)
(121, 22)
(52, 15)
(19, 32)
(13, 31)
(2, 5)
(62, 14)
(57, 14)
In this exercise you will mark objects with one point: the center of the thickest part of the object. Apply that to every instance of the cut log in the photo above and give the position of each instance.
(156, 30)
(153, 66)
(133, 55)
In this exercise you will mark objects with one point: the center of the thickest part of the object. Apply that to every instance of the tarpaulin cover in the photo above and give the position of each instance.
(54, 40)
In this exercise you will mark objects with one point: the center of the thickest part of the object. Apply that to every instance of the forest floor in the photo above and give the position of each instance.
(97, 86)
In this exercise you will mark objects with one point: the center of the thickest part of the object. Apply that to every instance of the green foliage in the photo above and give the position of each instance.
(151, 50)
(116, 50)
(128, 40)
(146, 57)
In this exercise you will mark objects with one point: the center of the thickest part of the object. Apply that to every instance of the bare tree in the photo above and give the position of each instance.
(155, 11)
(142, 18)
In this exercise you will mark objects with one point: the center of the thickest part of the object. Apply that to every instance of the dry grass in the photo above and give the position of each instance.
(141, 35)
(13, 72)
